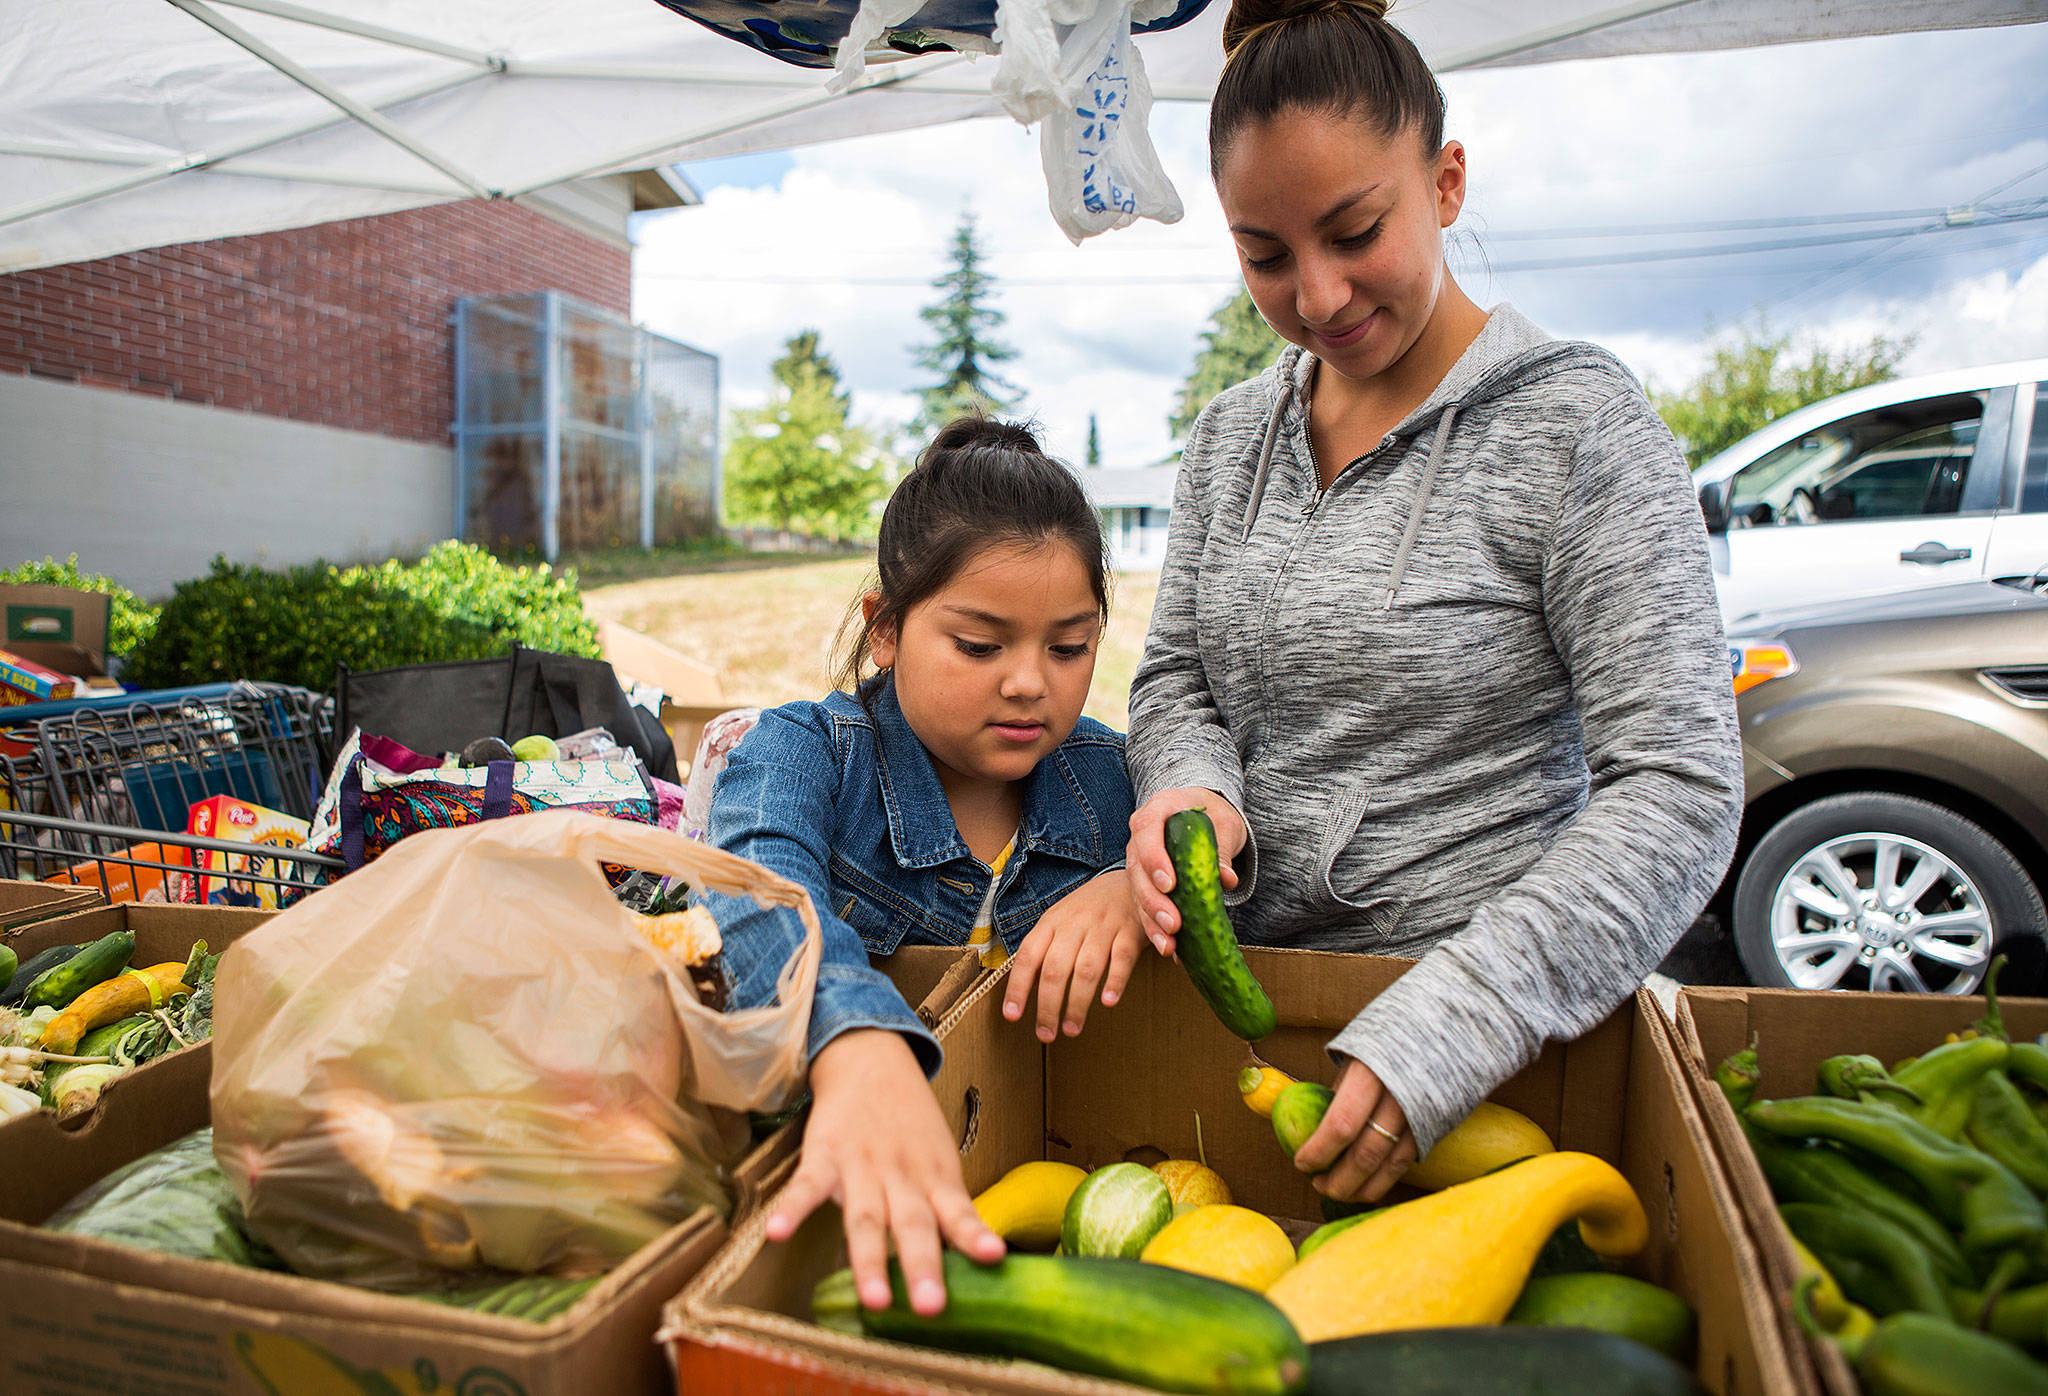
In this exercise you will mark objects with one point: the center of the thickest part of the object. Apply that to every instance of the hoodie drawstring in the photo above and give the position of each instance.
(1421, 505)
(1263, 471)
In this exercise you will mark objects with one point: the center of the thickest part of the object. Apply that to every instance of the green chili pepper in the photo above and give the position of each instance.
(1738, 1075)
(1824, 1174)
(2028, 1063)
(1967, 1189)
(2002, 1124)
(1943, 1079)
(2019, 1317)
(1875, 1263)
(1861, 1078)
(1915, 1354)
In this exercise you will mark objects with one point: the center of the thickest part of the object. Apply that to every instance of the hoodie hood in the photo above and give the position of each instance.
(1509, 352)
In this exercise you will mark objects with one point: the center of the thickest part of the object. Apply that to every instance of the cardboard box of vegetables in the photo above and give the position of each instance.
(1152, 1146)
(1890, 1158)
(146, 1275)
(91, 1001)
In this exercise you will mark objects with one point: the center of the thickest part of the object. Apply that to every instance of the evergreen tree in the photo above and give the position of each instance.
(1757, 377)
(1238, 344)
(798, 464)
(964, 322)
(1094, 444)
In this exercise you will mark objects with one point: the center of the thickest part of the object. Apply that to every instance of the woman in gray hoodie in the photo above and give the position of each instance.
(1436, 641)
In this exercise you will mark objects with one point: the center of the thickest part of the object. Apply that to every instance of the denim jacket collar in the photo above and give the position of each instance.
(1056, 817)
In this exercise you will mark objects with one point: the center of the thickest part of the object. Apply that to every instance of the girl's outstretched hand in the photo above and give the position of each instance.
(1150, 871)
(878, 1145)
(1092, 936)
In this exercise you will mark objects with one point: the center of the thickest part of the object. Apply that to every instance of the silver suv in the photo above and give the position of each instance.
(1895, 833)
(1911, 483)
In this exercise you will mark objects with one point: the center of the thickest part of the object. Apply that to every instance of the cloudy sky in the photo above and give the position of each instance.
(1788, 141)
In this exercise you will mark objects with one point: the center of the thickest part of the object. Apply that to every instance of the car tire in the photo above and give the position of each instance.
(1787, 886)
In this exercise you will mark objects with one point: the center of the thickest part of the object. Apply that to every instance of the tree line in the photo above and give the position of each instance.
(801, 463)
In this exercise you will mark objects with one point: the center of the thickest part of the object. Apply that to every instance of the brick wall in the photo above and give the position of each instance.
(343, 324)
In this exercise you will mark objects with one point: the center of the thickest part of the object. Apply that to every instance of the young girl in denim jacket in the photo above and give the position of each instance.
(955, 797)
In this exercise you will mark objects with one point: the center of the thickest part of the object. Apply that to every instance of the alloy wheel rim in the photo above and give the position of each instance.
(1899, 910)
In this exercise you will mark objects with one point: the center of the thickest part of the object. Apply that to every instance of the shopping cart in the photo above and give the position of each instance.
(126, 864)
(100, 792)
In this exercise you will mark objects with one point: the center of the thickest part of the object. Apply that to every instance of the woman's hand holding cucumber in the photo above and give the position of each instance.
(1151, 871)
(1363, 1145)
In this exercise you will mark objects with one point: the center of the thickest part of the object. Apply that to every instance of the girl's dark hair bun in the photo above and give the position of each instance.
(964, 433)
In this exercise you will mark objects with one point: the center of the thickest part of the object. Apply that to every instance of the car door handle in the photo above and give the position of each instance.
(1929, 554)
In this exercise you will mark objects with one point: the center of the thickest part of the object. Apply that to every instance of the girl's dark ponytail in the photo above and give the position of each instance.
(981, 483)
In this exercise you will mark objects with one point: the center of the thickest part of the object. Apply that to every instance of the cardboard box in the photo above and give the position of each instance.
(1141, 1074)
(162, 934)
(1795, 1032)
(109, 1320)
(691, 692)
(24, 902)
(59, 628)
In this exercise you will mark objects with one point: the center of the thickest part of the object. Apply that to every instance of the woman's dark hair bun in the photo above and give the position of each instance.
(967, 432)
(1247, 16)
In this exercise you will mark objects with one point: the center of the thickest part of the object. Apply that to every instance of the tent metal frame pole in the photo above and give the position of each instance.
(646, 399)
(1558, 33)
(338, 24)
(320, 87)
(246, 169)
(165, 169)
(789, 106)
(551, 430)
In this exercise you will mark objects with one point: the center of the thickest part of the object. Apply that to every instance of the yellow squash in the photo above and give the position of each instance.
(130, 991)
(1460, 1256)
(1232, 1244)
(1261, 1086)
(1491, 1137)
(1026, 1205)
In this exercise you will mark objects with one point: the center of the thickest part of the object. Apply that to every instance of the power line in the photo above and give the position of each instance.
(1954, 221)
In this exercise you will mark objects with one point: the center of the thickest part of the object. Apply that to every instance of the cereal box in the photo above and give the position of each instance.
(215, 881)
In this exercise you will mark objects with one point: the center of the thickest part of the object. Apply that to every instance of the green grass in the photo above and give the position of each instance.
(767, 622)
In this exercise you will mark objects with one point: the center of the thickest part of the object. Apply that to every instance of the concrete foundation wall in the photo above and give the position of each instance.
(147, 490)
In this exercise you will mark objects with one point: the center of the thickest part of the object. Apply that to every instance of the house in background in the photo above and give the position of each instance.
(291, 396)
(1134, 504)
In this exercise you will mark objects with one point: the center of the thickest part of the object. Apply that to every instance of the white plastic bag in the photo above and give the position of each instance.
(1071, 66)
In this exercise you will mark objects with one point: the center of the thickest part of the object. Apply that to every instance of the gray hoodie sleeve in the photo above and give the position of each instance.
(1177, 736)
(1628, 597)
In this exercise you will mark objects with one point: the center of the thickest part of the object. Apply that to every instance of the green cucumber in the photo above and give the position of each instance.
(1471, 1361)
(32, 969)
(1207, 945)
(1297, 1111)
(1115, 1211)
(1618, 1304)
(97, 963)
(1314, 1240)
(9, 961)
(1148, 1324)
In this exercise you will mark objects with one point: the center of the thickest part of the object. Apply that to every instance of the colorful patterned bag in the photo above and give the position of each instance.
(381, 792)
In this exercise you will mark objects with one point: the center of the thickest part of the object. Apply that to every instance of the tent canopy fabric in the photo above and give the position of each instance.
(135, 123)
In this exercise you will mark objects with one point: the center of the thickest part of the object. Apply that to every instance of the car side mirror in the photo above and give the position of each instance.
(1714, 506)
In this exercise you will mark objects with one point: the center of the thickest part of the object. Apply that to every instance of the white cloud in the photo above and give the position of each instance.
(1111, 327)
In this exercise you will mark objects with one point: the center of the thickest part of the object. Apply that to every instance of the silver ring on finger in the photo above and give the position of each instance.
(1389, 1135)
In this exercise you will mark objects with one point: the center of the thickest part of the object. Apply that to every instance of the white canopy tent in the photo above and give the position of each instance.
(136, 123)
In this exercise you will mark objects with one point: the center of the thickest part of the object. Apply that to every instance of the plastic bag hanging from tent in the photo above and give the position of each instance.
(1070, 66)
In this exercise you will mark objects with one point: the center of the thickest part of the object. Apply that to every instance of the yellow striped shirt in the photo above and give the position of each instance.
(983, 937)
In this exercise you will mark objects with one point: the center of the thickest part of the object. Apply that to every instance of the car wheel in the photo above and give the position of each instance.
(1888, 893)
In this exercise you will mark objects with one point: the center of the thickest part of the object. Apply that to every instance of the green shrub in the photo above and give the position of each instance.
(297, 626)
(130, 620)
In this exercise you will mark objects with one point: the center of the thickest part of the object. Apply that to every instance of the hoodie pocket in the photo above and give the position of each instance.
(1341, 893)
